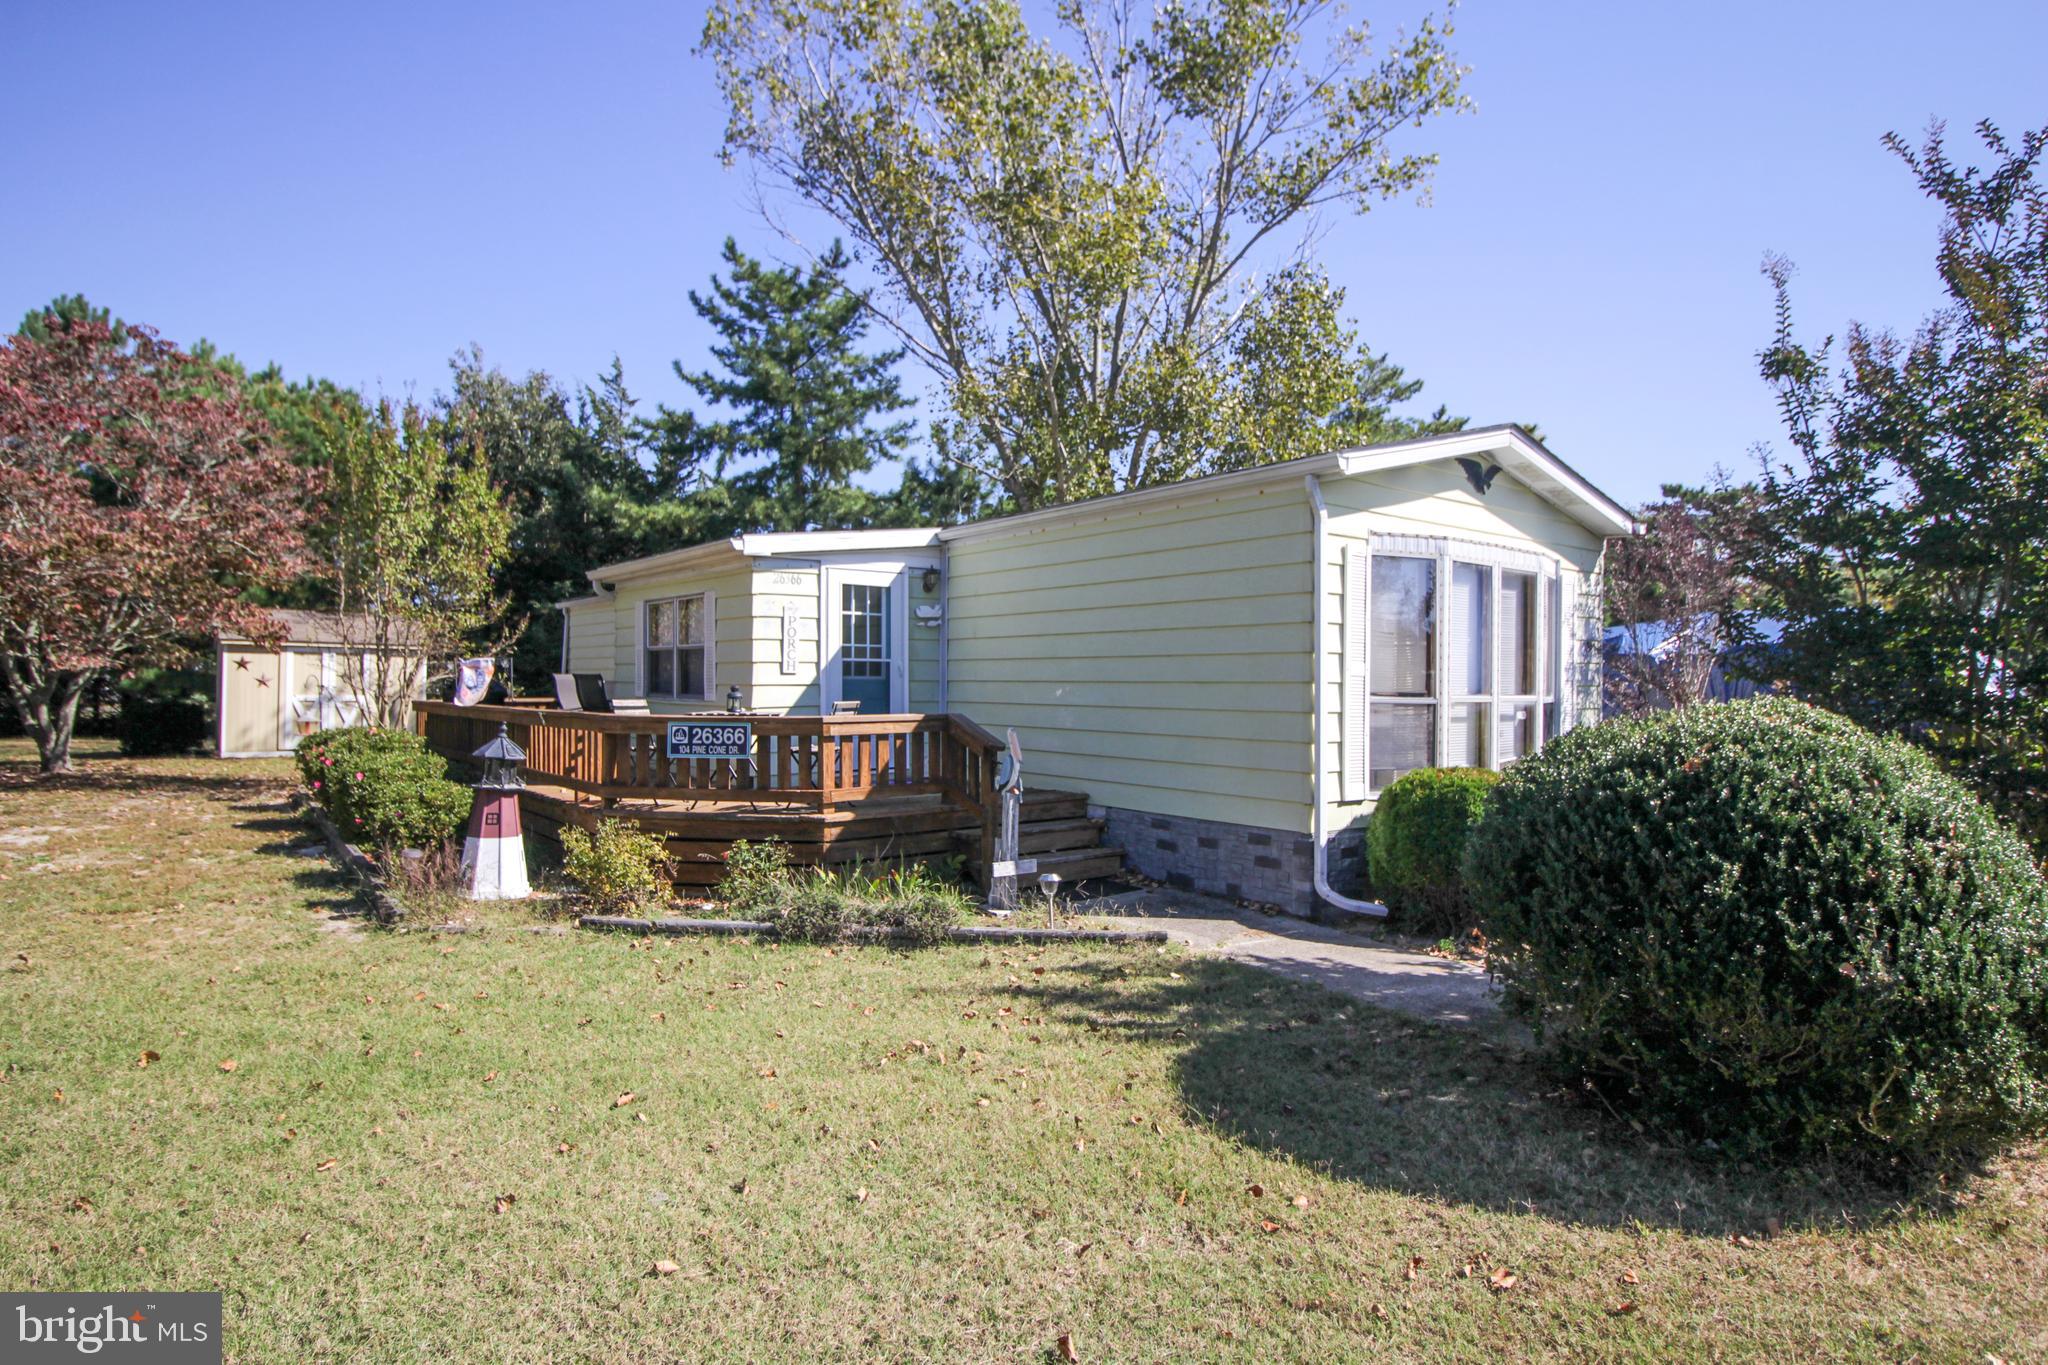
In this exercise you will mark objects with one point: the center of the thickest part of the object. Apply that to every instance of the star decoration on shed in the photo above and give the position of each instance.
(242, 664)
(263, 680)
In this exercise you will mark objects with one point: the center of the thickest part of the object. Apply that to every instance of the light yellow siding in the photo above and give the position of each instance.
(1153, 657)
(592, 646)
(926, 683)
(779, 584)
(732, 632)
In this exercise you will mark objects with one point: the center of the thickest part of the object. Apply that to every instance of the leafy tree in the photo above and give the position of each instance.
(1674, 590)
(416, 530)
(803, 401)
(1086, 238)
(1905, 541)
(136, 511)
(577, 480)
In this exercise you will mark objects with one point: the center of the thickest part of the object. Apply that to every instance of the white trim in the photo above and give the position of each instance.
(1319, 611)
(1351, 690)
(769, 544)
(1510, 446)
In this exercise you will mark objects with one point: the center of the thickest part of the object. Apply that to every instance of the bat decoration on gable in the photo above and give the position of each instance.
(1481, 478)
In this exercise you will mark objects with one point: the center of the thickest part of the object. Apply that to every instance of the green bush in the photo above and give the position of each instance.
(384, 787)
(617, 866)
(1765, 926)
(1415, 846)
(756, 875)
(820, 905)
(164, 711)
(815, 909)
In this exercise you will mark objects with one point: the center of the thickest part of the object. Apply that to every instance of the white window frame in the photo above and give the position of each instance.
(710, 645)
(1498, 561)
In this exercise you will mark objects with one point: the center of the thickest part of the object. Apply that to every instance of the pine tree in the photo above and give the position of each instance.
(803, 405)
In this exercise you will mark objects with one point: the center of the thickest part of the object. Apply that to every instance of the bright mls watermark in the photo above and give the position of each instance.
(165, 1329)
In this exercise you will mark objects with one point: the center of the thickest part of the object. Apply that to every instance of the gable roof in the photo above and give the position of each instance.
(1509, 446)
(327, 628)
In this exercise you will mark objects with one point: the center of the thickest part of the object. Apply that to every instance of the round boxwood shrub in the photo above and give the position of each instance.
(1765, 926)
(1415, 845)
(384, 787)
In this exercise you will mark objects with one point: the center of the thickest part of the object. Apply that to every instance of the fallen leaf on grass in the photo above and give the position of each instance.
(1502, 1280)
(1622, 1309)
(1269, 1225)
(504, 1203)
(625, 1098)
(1629, 1277)
(1415, 1264)
(1067, 1349)
(766, 1073)
(229, 1065)
(662, 1269)
(490, 1076)
(147, 1057)
(1379, 1311)
(1256, 1191)
(564, 1148)
(81, 1205)
(860, 1196)
(1301, 1201)
(1181, 1198)
(328, 1164)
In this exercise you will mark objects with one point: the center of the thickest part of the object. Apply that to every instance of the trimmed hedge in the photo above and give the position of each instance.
(384, 787)
(1415, 846)
(1765, 926)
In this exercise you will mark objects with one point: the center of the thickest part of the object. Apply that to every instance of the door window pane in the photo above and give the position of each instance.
(863, 640)
(1403, 739)
(1403, 645)
(1517, 731)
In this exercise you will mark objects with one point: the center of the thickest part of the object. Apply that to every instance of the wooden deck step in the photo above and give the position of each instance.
(1080, 864)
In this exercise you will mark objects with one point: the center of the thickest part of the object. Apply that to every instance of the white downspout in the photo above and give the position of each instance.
(1318, 653)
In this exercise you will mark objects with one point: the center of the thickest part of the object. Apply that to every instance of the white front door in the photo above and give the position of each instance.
(867, 638)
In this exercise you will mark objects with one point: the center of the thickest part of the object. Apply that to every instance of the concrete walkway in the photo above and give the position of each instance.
(1457, 994)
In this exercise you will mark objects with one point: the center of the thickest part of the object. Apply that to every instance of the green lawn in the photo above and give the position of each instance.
(476, 1147)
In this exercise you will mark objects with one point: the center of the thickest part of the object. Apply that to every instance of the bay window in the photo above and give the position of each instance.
(1451, 654)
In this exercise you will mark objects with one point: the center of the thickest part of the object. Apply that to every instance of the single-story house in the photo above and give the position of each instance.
(1231, 668)
(318, 678)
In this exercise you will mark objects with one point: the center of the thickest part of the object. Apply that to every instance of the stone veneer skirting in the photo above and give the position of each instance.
(1243, 862)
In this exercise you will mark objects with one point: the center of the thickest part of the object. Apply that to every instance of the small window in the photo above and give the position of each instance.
(675, 650)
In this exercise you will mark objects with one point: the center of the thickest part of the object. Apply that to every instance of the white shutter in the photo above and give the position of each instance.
(1357, 609)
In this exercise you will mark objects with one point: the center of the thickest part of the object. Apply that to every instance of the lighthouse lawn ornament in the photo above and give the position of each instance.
(493, 854)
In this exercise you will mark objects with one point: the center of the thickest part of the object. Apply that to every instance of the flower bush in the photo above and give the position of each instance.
(384, 787)
(1765, 926)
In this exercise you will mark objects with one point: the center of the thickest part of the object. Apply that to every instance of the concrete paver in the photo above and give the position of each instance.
(1457, 994)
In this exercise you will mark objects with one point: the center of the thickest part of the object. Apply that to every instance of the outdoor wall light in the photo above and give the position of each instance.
(930, 580)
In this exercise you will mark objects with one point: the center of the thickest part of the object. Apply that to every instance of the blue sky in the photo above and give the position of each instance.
(357, 193)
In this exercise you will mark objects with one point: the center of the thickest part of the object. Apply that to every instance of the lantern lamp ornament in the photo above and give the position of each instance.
(493, 853)
(734, 701)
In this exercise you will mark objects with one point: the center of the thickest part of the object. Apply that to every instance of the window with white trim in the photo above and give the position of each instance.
(1459, 658)
(674, 649)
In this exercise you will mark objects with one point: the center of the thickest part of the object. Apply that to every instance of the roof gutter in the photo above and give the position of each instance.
(1320, 513)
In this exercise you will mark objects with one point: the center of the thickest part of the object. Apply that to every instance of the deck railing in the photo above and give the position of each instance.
(812, 761)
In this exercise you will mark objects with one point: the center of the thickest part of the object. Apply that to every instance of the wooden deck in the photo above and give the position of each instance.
(832, 789)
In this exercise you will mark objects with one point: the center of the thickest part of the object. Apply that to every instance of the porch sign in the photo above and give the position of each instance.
(710, 739)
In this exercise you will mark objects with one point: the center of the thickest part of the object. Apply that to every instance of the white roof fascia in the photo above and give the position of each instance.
(1510, 447)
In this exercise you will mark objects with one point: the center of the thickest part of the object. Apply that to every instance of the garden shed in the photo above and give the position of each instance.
(267, 699)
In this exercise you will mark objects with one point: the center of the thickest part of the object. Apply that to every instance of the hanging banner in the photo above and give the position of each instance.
(473, 679)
